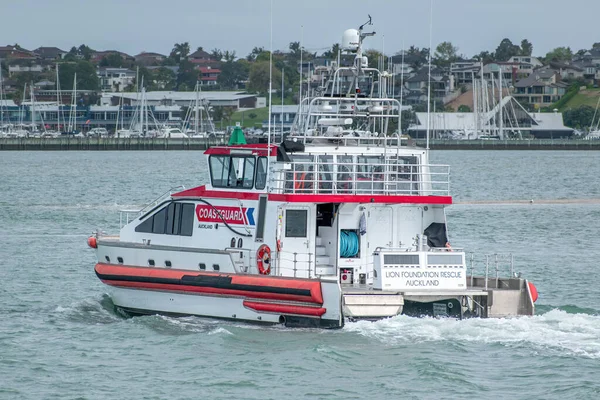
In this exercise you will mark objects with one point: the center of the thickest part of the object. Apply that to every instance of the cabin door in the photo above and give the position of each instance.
(297, 255)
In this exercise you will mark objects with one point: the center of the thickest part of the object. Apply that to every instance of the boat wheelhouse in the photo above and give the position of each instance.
(342, 220)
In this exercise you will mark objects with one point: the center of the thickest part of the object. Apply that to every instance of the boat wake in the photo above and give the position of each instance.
(556, 332)
(90, 311)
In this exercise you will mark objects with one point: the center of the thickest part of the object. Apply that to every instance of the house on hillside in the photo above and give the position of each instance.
(50, 53)
(463, 71)
(404, 64)
(208, 76)
(12, 52)
(442, 85)
(542, 88)
(203, 59)
(149, 59)
(19, 65)
(99, 55)
(115, 79)
(568, 71)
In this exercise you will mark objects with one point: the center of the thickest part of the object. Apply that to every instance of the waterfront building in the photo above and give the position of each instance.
(115, 79)
(517, 123)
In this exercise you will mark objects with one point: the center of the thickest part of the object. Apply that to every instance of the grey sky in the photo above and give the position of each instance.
(154, 25)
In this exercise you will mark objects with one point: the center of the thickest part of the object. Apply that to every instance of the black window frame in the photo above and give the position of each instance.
(173, 221)
(239, 183)
(263, 174)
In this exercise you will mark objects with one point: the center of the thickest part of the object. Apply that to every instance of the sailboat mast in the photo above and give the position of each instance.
(75, 102)
(197, 110)
(500, 94)
(429, 76)
(1, 99)
(32, 108)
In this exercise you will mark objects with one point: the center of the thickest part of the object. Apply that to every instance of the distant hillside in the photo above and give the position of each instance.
(588, 97)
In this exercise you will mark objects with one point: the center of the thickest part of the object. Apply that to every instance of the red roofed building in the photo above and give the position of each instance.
(208, 75)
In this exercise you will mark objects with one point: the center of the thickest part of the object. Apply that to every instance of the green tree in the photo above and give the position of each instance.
(526, 48)
(165, 79)
(580, 117)
(596, 45)
(559, 54)
(485, 57)
(115, 60)
(463, 108)
(216, 54)
(445, 53)
(180, 51)
(233, 73)
(187, 76)
(87, 79)
(506, 50)
(374, 58)
(256, 51)
(258, 80)
(332, 53)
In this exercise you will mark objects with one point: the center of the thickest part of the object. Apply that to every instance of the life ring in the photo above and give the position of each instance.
(263, 259)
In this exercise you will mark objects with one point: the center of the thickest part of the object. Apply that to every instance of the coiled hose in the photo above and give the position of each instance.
(349, 244)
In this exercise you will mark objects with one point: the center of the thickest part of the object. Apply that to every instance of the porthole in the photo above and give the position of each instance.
(151, 263)
(120, 260)
(168, 264)
(202, 266)
(107, 259)
(216, 267)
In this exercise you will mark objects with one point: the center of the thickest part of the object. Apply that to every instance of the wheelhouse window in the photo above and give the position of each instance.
(232, 171)
(174, 219)
(261, 173)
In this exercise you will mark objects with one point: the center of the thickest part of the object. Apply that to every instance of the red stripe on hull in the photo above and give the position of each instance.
(314, 287)
(285, 309)
(316, 198)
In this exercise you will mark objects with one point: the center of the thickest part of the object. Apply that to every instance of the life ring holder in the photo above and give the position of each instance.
(263, 260)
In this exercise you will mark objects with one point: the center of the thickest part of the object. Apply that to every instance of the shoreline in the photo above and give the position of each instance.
(69, 143)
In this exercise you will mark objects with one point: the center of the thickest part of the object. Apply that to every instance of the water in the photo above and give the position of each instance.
(60, 339)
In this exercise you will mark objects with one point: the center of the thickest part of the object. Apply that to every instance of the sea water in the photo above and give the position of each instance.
(61, 339)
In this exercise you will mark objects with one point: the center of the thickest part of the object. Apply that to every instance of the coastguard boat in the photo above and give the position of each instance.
(340, 221)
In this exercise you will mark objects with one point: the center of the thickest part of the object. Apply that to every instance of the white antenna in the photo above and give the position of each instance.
(401, 89)
(282, 97)
(429, 75)
(301, 67)
(270, 73)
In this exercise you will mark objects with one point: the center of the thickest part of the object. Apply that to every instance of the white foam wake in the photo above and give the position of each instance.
(556, 332)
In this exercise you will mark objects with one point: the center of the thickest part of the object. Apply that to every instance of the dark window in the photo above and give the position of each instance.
(151, 263)
(260, 223)
(145, 226)
(120, 260)
(159, 224)
(295, 223)
(216, 267)
(168, 264)
(170, 219)
(187, 219)
(107, 259)
(232, 171)
(261, 173)
(174, 219)
(202, 266)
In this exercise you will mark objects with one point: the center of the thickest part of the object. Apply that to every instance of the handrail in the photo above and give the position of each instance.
(316, 176)
(160, 198)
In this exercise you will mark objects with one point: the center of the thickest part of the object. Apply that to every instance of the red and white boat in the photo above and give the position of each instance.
(340, 221)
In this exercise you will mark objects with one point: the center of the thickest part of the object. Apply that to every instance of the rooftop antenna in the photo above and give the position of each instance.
(270, 73)
(429, 76)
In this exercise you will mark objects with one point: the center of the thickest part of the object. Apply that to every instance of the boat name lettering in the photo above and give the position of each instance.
(230, 215)
(205, 226)
(423, 274)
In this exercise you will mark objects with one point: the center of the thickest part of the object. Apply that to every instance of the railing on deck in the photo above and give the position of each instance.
(130, 215)
(324, 177)
(492, 268)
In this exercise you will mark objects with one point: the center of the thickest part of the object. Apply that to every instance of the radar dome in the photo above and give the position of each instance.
(350, 40)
